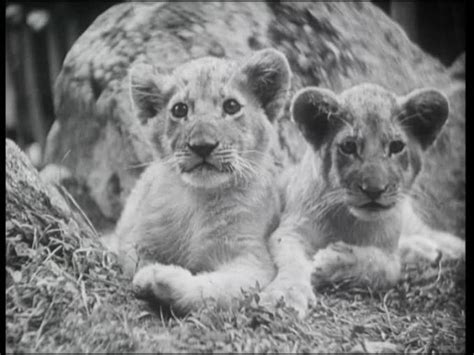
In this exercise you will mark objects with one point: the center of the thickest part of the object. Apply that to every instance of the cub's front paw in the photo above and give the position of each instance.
(163, 283)
(332, 262)
(298, 296)
(432, 246)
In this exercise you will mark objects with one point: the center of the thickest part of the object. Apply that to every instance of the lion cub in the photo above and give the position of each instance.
(347, 202)
(196, 224)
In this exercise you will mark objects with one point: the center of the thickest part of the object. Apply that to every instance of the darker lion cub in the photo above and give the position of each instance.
(347, 203)
(197, 221)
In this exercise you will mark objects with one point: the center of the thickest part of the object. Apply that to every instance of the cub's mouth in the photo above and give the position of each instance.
(201, 167)
(372, 210)
(205, 174)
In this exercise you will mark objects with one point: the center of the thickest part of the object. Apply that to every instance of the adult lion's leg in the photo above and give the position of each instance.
(357, 265)
(177, 287)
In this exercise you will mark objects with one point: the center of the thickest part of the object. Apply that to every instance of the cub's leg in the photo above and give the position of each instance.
(432, 245)
(183, 291)
(293, 281)
(420, 240)
(357, 265)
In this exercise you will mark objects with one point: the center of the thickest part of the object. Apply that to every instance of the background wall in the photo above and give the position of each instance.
(39, 34)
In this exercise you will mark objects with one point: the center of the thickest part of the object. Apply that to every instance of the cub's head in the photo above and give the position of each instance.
(212, 118)
(370, 142)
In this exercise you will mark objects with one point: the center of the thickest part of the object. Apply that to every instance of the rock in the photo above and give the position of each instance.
(25, 191)
(31, 201)
(59, 177)
(329, 44)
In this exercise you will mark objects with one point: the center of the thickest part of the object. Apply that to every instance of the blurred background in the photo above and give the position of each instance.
(39, 34)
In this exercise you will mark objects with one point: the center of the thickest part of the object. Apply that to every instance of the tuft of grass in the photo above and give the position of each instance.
(64, 293)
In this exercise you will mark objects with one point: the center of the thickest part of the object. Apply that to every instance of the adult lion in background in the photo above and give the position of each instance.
(196, 223)
(328, 44)
(348, 202)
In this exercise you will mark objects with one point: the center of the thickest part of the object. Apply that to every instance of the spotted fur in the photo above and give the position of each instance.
(347, 203)
(193, 230)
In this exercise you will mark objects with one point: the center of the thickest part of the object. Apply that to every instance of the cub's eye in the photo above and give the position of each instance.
(348, 147)
(396, 147)
(231, 106)
(179, 110)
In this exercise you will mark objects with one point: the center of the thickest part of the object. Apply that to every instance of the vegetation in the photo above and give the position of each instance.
(64, 293)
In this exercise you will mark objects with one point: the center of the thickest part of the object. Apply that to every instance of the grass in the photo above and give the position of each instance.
(64, 293)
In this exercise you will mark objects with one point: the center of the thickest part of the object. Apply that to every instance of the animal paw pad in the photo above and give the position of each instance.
(155, 282)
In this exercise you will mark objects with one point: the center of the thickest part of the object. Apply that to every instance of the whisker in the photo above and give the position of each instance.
(253, 151)
(182, 154)
(141, 165)
(328, 202)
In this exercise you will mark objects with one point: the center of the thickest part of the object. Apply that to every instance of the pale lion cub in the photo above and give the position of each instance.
(197, 223)
(347, 202)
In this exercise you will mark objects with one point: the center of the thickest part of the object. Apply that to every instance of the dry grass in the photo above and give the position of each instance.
(65, 294)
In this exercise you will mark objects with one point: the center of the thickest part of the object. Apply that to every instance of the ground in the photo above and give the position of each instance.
(65, 294)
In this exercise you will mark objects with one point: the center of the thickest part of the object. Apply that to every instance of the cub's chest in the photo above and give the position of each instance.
(382, 233)
(171, 215)
(176, 226)
(166, 230)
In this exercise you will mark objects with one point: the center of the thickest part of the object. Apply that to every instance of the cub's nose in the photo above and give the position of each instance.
(203, 149)
(373, 191)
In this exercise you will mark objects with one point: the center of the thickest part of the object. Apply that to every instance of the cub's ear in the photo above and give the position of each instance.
(316, 111)
(422, 114)
(149, 91)
(267, 74)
